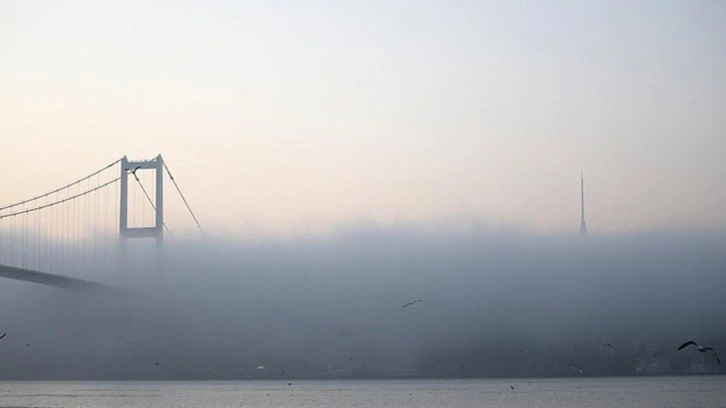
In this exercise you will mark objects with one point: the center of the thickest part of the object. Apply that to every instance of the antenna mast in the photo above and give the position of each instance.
(583, 227)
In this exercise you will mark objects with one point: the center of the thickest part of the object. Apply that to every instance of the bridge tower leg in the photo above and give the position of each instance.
(129, 167)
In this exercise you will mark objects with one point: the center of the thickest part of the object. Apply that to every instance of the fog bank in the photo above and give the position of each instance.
(494, 302)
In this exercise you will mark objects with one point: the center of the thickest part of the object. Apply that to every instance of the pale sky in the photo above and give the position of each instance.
(290, 116)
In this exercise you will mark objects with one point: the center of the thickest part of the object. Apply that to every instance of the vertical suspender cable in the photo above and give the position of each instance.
(25, 240)
(62, 232)
(72, 231)
(2, 242)
(12, 242)
(37, 242)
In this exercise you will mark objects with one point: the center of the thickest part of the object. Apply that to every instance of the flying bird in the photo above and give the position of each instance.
(156, 364)
(607, 345)
(412, 303)
(511, 386)
(700, 348)
(4, 334)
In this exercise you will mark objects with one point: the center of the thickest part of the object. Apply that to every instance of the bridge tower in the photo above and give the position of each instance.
(129, 167)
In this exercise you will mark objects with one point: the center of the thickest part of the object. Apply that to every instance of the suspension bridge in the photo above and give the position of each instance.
(77, 236)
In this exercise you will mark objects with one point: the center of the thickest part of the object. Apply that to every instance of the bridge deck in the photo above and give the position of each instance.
(44, 278)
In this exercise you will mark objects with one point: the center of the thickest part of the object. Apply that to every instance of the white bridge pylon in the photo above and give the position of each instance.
(157, 231)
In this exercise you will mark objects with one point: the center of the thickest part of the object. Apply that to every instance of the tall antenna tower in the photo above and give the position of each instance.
(583, 227)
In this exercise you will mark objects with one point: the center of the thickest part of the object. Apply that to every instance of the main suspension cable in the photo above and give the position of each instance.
(182, 196)
(60, 201)
(59, 189)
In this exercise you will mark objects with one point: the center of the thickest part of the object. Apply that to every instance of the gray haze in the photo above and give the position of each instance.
(495, 302)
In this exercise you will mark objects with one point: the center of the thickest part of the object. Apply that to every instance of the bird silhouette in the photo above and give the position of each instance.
(700, 348)
(4, 334)
(412, 303)
(156, 364)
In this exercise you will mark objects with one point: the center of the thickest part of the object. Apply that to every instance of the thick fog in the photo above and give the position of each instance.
(495, 302)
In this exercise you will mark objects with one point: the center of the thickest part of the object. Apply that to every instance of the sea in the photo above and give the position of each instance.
(661, 392)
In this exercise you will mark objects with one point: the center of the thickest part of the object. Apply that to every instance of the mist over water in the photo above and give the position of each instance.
(494, 303)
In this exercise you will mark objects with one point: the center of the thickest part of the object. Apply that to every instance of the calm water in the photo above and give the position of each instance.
(602, 392)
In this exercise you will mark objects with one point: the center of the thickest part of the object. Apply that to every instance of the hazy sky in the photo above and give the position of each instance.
(280, 116)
